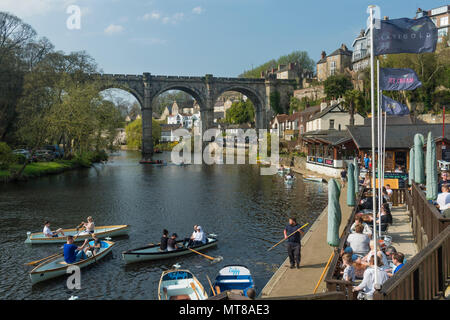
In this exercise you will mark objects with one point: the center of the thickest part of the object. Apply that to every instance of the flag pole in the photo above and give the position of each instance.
(372, 108)
(380, 137)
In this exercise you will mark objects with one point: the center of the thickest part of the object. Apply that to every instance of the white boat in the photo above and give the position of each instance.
(56, 266)
(152, 252)
(101, 232)
(180, 285)
(313, 178)
(234, 277)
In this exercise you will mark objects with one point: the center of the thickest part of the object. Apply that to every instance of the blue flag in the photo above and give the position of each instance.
(392, 107)
(404, 36)
(398, 79)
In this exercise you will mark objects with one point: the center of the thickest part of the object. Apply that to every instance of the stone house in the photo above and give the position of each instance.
(335, 63)
(332, 117)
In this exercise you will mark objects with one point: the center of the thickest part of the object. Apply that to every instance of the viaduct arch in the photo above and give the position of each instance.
(205, 90)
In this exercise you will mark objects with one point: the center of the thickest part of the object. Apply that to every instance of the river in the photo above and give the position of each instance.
(246, 210)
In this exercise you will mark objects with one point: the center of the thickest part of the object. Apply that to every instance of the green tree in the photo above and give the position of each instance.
(335, 86)
(354, 102)
(240, 112)
(275, 102)
(134, 133)
(295, 105)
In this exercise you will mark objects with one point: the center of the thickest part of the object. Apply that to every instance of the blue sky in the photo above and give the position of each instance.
(196, 37)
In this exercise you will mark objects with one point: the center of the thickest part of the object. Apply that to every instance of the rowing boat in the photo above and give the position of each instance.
(234, 277)
(180, 285)
(153, 252)
(313, 178)
(56, 266)
(100, 232)
(154, 162)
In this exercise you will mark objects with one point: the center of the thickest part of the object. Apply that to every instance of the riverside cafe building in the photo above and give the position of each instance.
(329, 151)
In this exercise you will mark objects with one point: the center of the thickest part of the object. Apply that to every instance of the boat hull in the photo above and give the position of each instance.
(180, 285)
(103, 232)
(234, 277)
(39, 274)
(149, 254)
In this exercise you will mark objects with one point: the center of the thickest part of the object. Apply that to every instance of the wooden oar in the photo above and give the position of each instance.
(210, 284)
(204, 255)
(195, 290)
(32, 263)
(78, 232)
(288, 236)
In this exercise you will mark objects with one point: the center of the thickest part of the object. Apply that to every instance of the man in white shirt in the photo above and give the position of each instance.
(49, 233)
(358, 241)
(367, 286)
(443, 198)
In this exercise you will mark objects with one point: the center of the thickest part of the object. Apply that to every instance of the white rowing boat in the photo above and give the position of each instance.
(153, 252)
(56, 266)
(313, 178)
(100, 232)
(180, 285)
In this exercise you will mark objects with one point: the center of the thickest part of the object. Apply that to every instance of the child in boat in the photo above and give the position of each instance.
(49, 233)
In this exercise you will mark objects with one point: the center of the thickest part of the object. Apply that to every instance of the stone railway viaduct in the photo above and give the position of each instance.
(205, 90)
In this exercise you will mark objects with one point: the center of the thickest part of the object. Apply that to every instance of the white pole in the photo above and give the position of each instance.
(380, 136)
(372, 109)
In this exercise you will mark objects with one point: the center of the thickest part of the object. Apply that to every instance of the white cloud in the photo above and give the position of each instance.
(174, 19)
(152, 16)
(113, 29)
(198, 10)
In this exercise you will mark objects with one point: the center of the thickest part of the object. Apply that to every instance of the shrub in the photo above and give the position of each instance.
(6, 156)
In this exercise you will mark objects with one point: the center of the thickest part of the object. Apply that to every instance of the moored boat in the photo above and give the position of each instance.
(56, 266)
(234, 277)
(100, 232)
(180, 285)
(313, 178)
(152, 252)
(153, 162)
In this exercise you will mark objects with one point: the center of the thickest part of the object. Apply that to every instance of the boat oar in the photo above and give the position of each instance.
(288, 236)
(204, 255)
(195, 290)
(210, 284)
(78, 232)
(32, 263)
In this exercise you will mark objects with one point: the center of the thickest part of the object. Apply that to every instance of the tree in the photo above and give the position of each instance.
(134, 133)
(299, 57)
(275, 102)
(335, 86)
(353, 101)
(295, 105)
(240, 112)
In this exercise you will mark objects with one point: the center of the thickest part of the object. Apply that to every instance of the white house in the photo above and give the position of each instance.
(332, 117)
(167, 131)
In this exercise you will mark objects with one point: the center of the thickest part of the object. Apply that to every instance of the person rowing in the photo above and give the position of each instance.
(89, 226)
(73, 253)
(49, 233)
(164, 240)
(190, 241)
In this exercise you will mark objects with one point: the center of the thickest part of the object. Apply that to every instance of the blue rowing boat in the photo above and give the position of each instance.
(234, 277)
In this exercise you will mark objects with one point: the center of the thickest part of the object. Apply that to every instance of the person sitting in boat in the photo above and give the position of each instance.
(164, 239)
(93, 249)
(172, 242)
(49, 233)
(89, 226)
(201, 237)
(190, 240)
(73, 253)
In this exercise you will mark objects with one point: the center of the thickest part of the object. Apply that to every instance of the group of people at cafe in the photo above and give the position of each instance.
(197, 238)
(442, 202)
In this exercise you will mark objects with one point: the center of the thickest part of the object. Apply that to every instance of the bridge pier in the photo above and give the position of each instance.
(147, 114)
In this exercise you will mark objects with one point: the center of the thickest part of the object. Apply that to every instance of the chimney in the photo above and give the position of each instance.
(323, 105)
(344, 47)
(323, 54)
(291, 65)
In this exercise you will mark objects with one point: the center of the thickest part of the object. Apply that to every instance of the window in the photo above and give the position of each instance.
(331, 123)
(444, 21)
(333, 67)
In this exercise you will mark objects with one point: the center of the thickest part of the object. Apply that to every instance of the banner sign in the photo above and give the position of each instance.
(398, 79)
(392, 107)
(405, 36)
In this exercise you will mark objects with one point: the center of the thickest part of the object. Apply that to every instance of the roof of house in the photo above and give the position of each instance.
(333, 137)
(330, 108)
(169, 127)
(399, 136)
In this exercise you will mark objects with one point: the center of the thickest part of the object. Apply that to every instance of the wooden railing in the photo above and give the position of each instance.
(425, 276)
(426, 220)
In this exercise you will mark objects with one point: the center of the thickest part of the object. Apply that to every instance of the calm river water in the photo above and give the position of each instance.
(246, 210)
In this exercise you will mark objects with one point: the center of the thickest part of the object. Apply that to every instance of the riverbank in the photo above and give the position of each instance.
(39, 169)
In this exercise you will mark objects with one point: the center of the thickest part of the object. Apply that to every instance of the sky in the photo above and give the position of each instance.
(198, 37)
